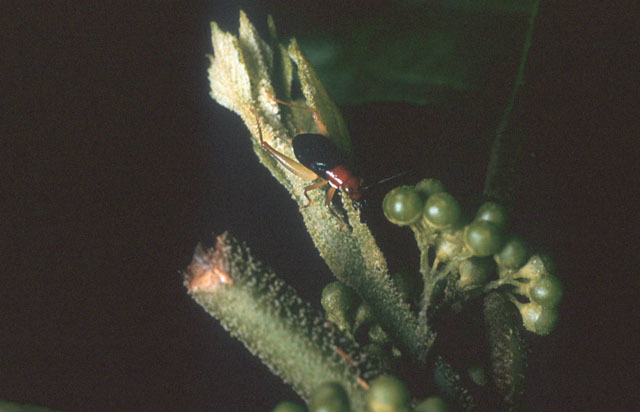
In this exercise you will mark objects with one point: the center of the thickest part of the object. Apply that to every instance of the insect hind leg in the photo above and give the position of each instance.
(312, 187)
(316, 116)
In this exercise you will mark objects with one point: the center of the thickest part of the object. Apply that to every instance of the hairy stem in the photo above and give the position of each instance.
(274, 323)
(241, 74)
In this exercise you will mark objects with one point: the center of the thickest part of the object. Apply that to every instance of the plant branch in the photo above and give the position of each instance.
(241, 76)
(274, 323)
(506, 145)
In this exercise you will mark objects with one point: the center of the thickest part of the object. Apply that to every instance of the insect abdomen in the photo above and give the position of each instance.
(316, 152)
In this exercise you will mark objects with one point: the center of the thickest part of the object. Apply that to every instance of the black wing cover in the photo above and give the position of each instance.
(316, 152)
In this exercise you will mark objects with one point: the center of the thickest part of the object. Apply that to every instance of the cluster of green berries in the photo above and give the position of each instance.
(344, 308)
(385, 394)
(480, 247)
(544, 291)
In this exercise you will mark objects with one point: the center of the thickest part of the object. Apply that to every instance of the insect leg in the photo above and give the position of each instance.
(330, 193)
(314, 186)
(291, 165)
(316, 116)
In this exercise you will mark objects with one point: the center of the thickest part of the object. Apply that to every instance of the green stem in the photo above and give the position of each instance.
(506, 145)
(274, 323)
(436, 275)
(17, 407)
(506, 348)
(241, 75)
(372, 282)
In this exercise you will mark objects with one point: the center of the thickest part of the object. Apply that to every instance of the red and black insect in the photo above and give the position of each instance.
(317, 158)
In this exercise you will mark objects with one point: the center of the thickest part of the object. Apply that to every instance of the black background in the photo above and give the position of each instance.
(117, 163)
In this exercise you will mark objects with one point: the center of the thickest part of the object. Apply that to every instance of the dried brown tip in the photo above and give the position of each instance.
(206, 272)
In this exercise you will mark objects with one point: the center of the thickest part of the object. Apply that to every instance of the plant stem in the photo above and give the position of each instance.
(274, 323)
(506, 145)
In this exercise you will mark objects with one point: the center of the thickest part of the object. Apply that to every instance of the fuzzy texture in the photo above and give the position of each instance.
(508, 361)
(450, 383)
(242, 76)
(274, 323)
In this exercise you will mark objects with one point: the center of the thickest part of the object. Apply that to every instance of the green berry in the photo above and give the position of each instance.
(492, 212)
(337, 296)
(402, 206)
(483, 238)
(388, 394)
(477, 375)
(538, 319)
(432, 404)
(428, 187)
(442, 210)
(546, 291)
(377, 334)
(329, 397)
(287, 406)
(364, 315)
(474, 272)
(338, 300)
(513, 255)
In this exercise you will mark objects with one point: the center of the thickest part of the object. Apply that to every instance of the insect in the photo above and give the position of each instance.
(317, 158)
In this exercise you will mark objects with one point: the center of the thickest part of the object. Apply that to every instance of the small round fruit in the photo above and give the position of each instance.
(538, 319)
(483, 238)
(402, 206)
(477, 374)
(492, 212)
(547, 291)
(513, 255)
(329, 397)
(338, 297)
(442, 210)
(339, 303)
(428, 187)
(432, 404)
(474, 272)
(377, 334)
(388, 394)
(287, 406)
(363, 319)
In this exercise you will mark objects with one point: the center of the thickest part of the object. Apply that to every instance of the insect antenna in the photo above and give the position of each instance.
(386, 179)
